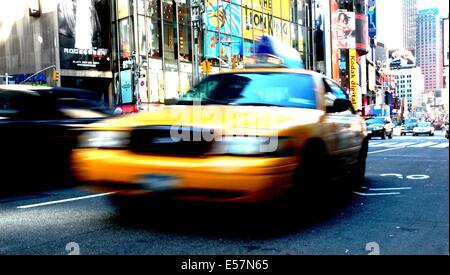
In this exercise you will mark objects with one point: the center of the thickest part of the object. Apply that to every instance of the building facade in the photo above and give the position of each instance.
(151, 51)
(409, 13)
(70, 37)
(410, 85)
(350, 43)
(158, 45)
(428, 49)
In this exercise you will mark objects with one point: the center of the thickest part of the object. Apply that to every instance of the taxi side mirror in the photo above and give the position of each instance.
(339, 105)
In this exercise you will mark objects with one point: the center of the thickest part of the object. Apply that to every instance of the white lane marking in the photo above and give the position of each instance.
(384, 144)
(377, 194)
(390, 189)
(442, 145)
(421, 145)
(400, 176)
(374, 143)
(63, 201)
(385, 150)
(403, 144)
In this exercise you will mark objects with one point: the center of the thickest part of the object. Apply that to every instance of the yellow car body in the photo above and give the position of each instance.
(210, 176)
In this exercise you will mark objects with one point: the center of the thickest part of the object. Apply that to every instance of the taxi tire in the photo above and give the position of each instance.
(357, 175)
(313, 174)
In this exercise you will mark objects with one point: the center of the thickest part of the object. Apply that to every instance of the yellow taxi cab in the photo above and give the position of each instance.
(249, 135)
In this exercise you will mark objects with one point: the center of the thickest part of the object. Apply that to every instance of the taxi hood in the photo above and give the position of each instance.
(223, 117)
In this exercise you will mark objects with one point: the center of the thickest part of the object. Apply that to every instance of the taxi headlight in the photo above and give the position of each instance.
(247, 145)
(104, 139)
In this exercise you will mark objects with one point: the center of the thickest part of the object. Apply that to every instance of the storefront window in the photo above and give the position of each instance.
(125, 41)
(184, 32)
(169, 34)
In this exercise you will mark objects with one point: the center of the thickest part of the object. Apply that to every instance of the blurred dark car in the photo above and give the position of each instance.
(39, 127)
(380, 127)
(408, 126)
(446, 129)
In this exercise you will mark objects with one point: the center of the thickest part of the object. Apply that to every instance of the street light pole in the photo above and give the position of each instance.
(195, 26)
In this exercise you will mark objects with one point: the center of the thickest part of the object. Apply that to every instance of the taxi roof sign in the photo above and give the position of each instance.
(270, 52)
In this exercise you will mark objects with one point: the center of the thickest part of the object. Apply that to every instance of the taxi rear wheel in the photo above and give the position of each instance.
(357, 176)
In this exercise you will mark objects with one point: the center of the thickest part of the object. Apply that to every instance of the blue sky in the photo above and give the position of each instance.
(389, 19)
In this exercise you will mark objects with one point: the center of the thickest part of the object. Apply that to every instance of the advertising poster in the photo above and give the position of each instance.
(84, 34)
(335, 56)
(372, 15)
(265, 17)
(223, 16)
(344, 30)
(361, 39)
(126, 86)
(401, 58)
(211, 47)
(353, 78)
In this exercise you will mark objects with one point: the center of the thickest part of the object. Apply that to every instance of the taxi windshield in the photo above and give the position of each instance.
(377, 120)
(258, 89)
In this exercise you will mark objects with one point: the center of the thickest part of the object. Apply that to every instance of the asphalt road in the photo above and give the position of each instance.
(402, 209)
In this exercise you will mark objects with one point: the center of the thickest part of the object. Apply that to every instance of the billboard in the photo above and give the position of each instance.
(266, 17)
(361, 31)
(372, 15)
(344, 30)
(224, 17)
(84, 34)
(401, 58)
(445, 41)
(353, 78)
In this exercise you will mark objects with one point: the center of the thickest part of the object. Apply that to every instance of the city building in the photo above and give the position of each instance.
(47, 43)
(150, 50)
(410, 85)
(428, 50)
(168, 48)
(409, 13)
(350, 42)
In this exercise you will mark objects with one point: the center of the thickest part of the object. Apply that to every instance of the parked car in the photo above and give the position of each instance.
(408, 126)
(424, 128)
(39, 127)
(380, 127)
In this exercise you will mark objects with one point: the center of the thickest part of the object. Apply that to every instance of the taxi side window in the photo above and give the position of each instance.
(333, 92)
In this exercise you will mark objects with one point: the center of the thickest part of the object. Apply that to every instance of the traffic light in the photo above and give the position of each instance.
(234, 63)
(55, 75)
(206, 67)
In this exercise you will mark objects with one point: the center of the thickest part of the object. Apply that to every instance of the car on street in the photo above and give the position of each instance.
(380, 127)
(446, 129)
(248, 135)
(39, 128)
(408, 126)
(424, 128)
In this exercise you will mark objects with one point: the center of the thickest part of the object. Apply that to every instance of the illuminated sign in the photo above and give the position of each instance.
(344, 30)
(372, 14)
(354, 96)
